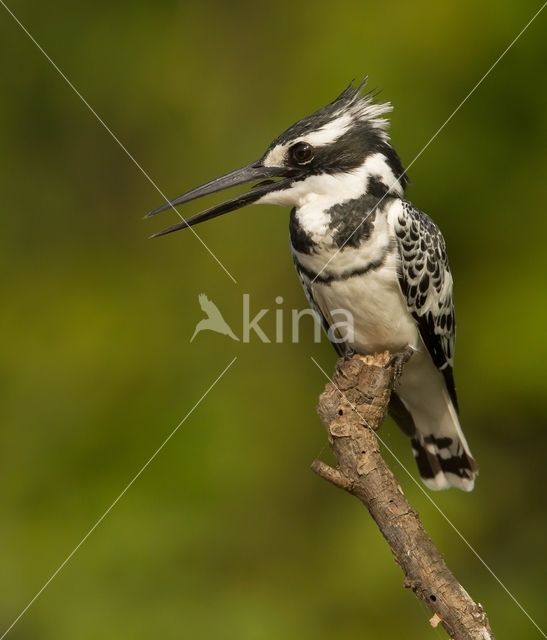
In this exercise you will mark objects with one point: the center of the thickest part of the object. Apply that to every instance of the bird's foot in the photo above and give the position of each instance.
(398, 361)
(347, 355)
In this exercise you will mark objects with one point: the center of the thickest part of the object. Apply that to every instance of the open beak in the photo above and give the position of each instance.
(250, 173)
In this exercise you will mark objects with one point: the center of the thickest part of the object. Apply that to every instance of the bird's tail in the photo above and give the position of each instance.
(444, 459)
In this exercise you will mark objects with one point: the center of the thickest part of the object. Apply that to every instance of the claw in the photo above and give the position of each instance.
(348, 355)
(398, 361)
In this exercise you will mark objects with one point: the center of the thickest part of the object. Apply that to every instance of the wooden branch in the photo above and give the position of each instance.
(352, 407)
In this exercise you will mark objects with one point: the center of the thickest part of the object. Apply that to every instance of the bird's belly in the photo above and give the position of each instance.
(375, 307)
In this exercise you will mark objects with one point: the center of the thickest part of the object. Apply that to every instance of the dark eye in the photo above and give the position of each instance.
(301, 153)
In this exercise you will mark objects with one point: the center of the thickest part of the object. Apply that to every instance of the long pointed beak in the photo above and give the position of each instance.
(250, 173)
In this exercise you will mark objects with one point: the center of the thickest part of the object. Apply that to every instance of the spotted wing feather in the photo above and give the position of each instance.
(426, 283)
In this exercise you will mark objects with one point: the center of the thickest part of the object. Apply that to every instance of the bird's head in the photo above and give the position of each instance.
(338, 153)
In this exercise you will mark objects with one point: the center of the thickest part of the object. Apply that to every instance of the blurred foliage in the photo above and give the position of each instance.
(227, 534)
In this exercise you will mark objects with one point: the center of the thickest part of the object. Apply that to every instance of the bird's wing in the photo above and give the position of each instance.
(203, 301)
(210, 308)
(426, 284)
(326, 320)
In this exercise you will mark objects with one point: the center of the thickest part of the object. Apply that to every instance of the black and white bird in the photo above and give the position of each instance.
(358, 245)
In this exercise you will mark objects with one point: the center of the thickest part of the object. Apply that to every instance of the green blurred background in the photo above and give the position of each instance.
(227, 534)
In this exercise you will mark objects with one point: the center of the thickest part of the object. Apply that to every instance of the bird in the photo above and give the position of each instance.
(359, 245)
(214, 320)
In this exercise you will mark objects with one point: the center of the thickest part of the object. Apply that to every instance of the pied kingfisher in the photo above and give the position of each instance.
(358, 245)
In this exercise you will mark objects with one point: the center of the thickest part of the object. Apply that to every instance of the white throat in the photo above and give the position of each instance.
(315, 195)
(324, 190)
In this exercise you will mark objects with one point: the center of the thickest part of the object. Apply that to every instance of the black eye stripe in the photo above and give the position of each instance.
(301, 153)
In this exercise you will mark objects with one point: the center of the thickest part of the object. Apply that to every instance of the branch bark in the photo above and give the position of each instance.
(352, 407)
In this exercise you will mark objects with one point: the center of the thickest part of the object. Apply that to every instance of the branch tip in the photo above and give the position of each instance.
(334, 476)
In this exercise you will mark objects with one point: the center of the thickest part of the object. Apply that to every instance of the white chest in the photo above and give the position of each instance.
(371, 299)
(374, 306)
